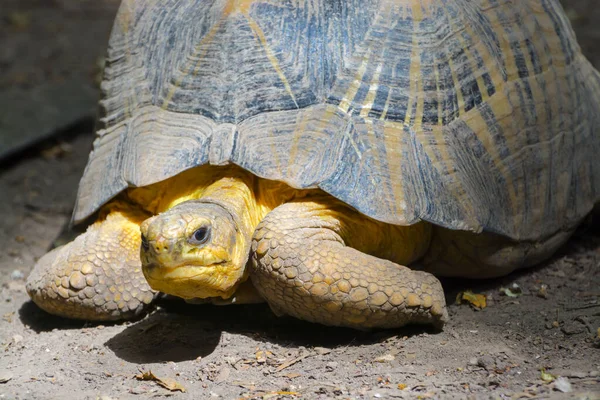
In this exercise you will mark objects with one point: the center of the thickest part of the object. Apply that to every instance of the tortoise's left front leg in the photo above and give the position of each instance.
(303, 267)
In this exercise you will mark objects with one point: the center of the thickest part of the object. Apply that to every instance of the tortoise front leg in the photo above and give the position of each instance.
(303, 268)
(98, 275)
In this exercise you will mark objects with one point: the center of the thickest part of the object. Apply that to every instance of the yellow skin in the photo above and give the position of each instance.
(206, 231)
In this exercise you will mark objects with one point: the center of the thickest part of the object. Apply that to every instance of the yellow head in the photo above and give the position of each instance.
(194, 250)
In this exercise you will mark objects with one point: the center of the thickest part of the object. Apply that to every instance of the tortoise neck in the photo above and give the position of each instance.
(235, 193)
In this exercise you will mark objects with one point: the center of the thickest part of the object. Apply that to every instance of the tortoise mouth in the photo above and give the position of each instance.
(193, 281)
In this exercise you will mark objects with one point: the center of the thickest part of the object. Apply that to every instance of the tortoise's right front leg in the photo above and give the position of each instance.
(98, 275)
(303, 267)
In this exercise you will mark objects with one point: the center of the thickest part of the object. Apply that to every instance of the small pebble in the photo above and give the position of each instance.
(385, 358)
(543, 291)
(331, 365)
(16, 275)
(486, 362)
(561, 383)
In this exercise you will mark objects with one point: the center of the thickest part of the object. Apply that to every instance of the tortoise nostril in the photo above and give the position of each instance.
(161, 246)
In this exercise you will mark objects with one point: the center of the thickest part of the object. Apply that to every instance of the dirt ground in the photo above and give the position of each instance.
(552, 323)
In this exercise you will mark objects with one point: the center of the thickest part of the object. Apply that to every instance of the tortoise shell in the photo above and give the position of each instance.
(470, 114)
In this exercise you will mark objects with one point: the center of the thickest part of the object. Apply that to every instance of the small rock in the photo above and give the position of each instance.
(16, 275)
(385, 358)
(5, 377)
(561, 383)
(331, 365)
(322, 350)
(473, 361)
(543, 291)
(486, 362)
(17, 339)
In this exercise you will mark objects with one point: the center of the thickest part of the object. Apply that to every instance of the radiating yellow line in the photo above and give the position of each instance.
(261, 36)
(372, 93)
(471, 58)
(392, 134)
(414, 74)
(190, 65)
(355, 84)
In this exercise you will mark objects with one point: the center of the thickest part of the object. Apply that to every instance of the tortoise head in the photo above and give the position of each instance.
(194, 250)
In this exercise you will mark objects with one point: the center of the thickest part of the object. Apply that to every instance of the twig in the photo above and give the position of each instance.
(582, 307)
(292, 362)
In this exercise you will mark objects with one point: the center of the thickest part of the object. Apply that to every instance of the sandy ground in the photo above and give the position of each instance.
(246, 352)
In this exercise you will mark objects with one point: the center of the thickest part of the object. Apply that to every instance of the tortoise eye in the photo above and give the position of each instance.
(200, 236)
(145, 244)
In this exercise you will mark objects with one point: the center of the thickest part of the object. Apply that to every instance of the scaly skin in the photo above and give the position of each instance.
(303, 267)
(98, 275)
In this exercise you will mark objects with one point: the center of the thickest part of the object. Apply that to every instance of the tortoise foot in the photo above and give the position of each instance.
(97, 276)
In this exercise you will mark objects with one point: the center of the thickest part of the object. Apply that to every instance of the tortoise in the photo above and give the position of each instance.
(328, 157)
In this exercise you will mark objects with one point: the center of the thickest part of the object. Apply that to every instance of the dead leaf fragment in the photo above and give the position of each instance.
(261, 356)
(546, 377)
(402, 386)
(167, 383)
(476, 300)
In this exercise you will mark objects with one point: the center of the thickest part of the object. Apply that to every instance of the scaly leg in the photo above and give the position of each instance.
(303, 266)
(98, 275)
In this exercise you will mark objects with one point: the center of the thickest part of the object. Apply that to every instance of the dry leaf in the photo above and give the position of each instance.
(546, 377)
(402, 386)
(543, 291)
(476, 300)
(261, 356)
(167, 383)
(509, 293)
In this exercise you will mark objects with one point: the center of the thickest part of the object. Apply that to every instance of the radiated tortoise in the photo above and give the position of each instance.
(303, 152)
